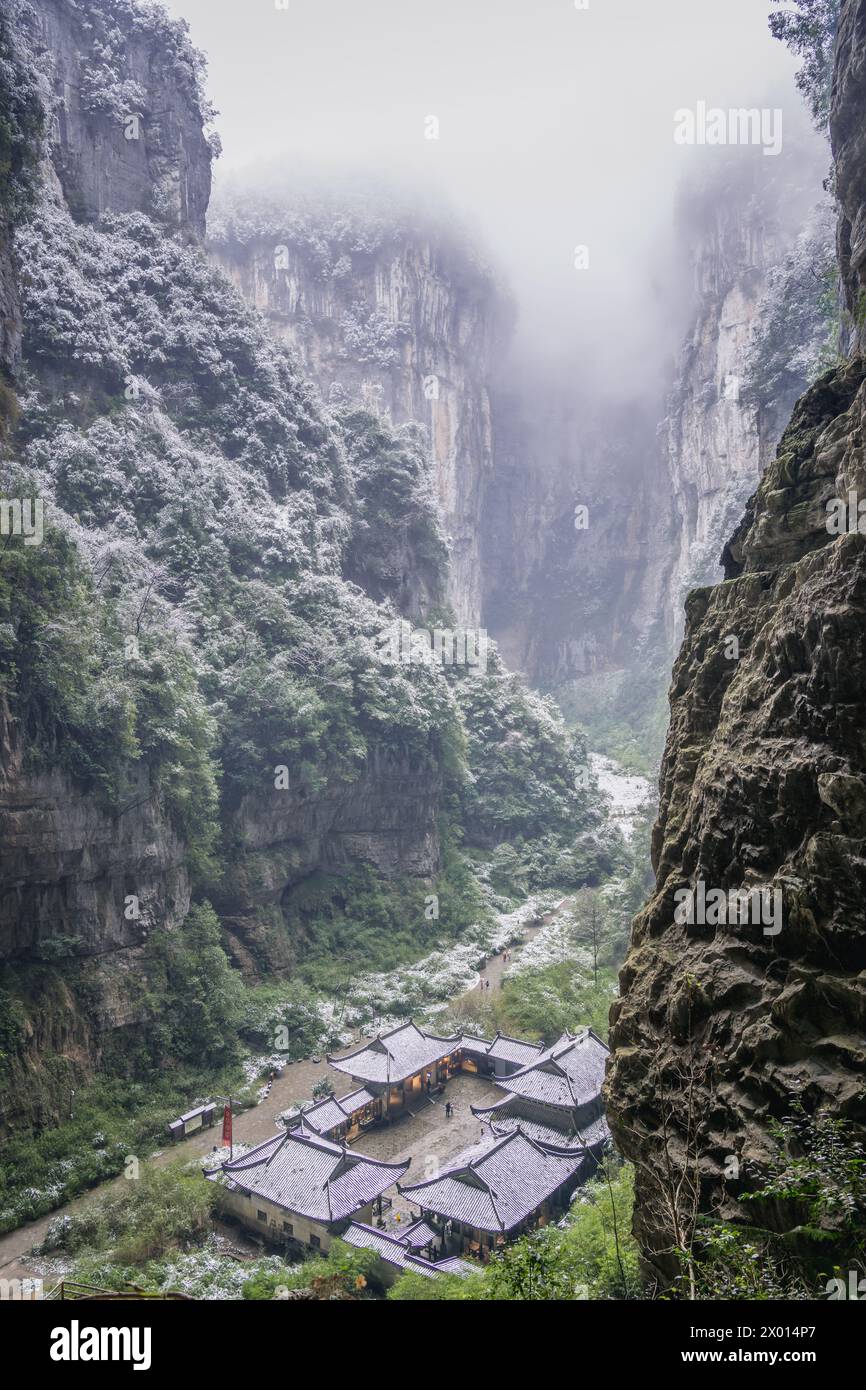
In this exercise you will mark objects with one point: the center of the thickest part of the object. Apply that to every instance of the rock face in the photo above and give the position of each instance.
(10, 309)
(80, 888)
(73, 944)
(714, 446)
(568, 594)
(69, 864)
(401, 317)
(127, 123)
(596, 614)
(849, 148)
(763, 785)
(387, 818)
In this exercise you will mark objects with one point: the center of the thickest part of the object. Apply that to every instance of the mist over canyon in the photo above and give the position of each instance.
(433, 435)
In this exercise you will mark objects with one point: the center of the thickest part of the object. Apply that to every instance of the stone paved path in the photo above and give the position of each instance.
(429, 1139)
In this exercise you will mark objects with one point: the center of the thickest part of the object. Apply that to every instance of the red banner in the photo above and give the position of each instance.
(227, 1126)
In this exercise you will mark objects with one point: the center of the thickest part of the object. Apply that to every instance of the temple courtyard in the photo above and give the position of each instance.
(443, 1147)
(428, 1138)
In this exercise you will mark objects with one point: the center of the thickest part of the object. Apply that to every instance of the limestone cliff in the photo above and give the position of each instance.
(387, 304)
(569, 594)
(720, 1027)
(127, 114)
(738, 227)
(72, 73)
(97, 851)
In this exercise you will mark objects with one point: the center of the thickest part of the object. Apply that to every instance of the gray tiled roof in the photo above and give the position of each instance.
(396, 1252)
(419, 1234)
(568, 1074)
(498, 1183)
(394, 1056)
(452, 1264)
(312, 1176)
(332, 1112)
(389, 1248)
(501, 1047)
(507, 1114)
(596, 1132)
(324, 1116)
(514, 1050)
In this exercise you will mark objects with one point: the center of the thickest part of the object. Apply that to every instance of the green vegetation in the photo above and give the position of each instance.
(808, 27)
(343, 1272)
(360, 922)
(525, 768)
(545, 1003)
(198, 999)
(624, 715)
(592, 1256)
(799, 327)
(140, 1219)
(539, 1004)
(81, 705)
(802, 1228)
(21, 116)
(396, 513)
(101, 1124)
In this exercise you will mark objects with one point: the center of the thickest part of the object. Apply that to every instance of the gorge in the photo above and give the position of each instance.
(274, 422)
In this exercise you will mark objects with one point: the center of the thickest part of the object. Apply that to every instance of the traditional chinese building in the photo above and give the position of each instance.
(556, 1098)
(300, 1189)
(400, 1066)
(501, 1057)
(498, 1190)
(412, 1251)
(340, 1120)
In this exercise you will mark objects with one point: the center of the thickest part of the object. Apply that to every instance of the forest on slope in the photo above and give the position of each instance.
(222, 807)
(228, 815)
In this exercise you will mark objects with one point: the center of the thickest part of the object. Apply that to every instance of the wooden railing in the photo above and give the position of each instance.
(67, 1289)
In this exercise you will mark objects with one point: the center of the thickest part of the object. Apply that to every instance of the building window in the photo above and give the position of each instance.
(288, 1228)
(262, 1215)
(315, 1242)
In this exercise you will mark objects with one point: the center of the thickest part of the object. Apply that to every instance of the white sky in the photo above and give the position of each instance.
(556, 124)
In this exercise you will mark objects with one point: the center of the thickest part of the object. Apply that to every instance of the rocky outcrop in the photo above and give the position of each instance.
(595, 612)
(721, 1024)
(81, 886)
(127, 121)
(87, 873)
(738, 226)
(849, 150)
(398, 314)
(70, 864)
(387, 818)
(10, 311)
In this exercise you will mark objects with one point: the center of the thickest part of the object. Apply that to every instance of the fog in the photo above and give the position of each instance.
(555, 130)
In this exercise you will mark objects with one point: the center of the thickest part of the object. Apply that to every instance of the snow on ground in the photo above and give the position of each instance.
(552, 943)
(628, 792)
(376, 1002)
